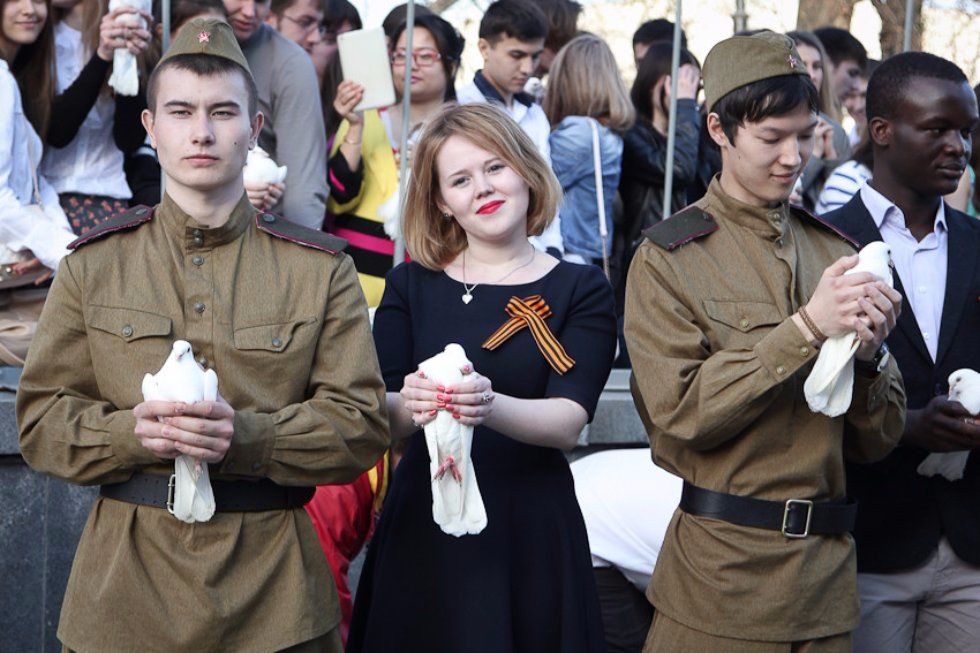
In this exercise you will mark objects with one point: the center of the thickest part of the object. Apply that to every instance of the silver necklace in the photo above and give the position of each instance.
(468, 295)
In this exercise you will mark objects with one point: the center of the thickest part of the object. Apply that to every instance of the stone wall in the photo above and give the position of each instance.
(41, 519)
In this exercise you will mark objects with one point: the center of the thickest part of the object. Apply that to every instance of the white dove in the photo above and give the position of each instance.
(830, 384)
(964, 387)
(261, 169)
(181, 379)
(457, 506)
(125, 79)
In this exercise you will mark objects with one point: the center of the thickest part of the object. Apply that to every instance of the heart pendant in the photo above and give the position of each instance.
(467, 298)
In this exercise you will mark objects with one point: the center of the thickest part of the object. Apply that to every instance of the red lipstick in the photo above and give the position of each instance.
(490, 207)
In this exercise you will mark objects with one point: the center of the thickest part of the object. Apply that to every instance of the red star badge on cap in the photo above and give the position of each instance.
(204, 37)
(793, 62)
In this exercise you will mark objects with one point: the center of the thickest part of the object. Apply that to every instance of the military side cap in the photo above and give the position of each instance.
(741, 60)
(210, 36)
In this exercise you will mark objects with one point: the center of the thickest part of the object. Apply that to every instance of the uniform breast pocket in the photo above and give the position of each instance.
(126, 344)
(281, 351)
(740, 324)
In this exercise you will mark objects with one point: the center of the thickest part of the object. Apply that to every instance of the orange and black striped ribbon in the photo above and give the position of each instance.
(530, 313)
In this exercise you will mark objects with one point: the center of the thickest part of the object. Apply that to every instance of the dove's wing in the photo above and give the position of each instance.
(150, 390)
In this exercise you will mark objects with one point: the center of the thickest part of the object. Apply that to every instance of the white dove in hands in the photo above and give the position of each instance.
(457, 505)
(829, 386)
(125, 73)
(182, 379)
(964, 387)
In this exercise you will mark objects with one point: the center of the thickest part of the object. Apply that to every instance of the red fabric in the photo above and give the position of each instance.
(344, 518)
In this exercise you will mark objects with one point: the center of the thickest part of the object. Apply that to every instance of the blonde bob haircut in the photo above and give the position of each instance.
(584, 81)
(435, 240)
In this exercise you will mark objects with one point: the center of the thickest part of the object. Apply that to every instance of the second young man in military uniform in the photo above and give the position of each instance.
(276, 311)
(727, 304)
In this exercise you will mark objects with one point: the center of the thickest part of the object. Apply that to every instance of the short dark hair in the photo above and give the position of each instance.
(658, 29)
(396, 17)
(518, 19)
(889, 83)
(562, 17)
(655, 64)
(338, 12)
(202, 65)
(449, 42)
(182, 11)
(842, 46)
(775, 96)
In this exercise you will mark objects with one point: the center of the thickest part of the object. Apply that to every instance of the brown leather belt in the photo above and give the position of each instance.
(229, 496)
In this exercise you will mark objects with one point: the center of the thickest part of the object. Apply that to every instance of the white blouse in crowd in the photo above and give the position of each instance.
(91, 164)
(21, 228)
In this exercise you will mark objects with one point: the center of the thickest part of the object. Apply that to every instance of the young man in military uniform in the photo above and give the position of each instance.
(276, 310)
(727, 305)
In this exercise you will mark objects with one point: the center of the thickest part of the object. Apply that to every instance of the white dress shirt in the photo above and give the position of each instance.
(20, 227)
(921, 265)
(91, 164)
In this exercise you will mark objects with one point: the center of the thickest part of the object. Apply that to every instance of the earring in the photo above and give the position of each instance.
(447, 216)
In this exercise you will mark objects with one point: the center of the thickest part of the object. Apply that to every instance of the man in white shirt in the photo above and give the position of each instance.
(512, 35)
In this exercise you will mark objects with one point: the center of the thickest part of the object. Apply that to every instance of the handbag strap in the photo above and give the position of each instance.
(599, 195)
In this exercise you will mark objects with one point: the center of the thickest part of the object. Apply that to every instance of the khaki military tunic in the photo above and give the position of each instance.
(719, 368)
(285, 327)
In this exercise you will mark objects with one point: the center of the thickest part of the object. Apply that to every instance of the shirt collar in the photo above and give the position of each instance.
(196, 236)
(884, 210)
(768, 222)
(491, 93)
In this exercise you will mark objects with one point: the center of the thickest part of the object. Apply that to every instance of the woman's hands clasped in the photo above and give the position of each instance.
(470, 401)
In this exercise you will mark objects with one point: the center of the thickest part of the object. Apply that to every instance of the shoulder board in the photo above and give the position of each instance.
(803, 215)
(131, 219)
(681, 228)
(279, 227)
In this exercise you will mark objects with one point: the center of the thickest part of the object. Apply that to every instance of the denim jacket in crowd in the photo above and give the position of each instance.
(573, 163)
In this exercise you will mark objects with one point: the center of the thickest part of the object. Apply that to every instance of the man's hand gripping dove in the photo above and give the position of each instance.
(183, 418)
(954, 426)
(853, 309)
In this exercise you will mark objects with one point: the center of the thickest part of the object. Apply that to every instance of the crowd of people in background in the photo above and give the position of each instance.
(74, 154)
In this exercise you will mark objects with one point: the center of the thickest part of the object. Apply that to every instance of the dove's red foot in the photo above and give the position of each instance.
(448, 464)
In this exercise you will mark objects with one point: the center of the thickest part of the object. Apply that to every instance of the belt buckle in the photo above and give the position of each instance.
(809, 514)
(172, 484)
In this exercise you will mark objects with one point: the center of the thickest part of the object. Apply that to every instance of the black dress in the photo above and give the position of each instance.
(525, 583)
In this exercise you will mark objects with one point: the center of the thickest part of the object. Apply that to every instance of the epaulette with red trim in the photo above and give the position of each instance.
(130, 219)
(804, 215)
(279, 227)
(681, 228)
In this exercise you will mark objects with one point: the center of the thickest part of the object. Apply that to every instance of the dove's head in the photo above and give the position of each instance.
(960, 381)
(181, 349)
(879, 251)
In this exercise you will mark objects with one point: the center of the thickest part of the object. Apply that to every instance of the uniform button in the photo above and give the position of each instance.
(140, 211)
(198, 260)
(268, 217)
(127, 331)
(780, 369)
(198, 242)
(804, 351)
(276, 342)
(197, 233)
(203, 360)
(199, 307)
(744, 323)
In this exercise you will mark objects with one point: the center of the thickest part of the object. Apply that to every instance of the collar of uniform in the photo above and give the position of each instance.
(768, 222)
(196, 236)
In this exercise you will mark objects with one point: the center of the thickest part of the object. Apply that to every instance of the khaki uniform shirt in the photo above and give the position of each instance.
(718, 377)
(286, 329)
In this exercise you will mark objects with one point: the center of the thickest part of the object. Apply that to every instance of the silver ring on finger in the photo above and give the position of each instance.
(486, 397)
